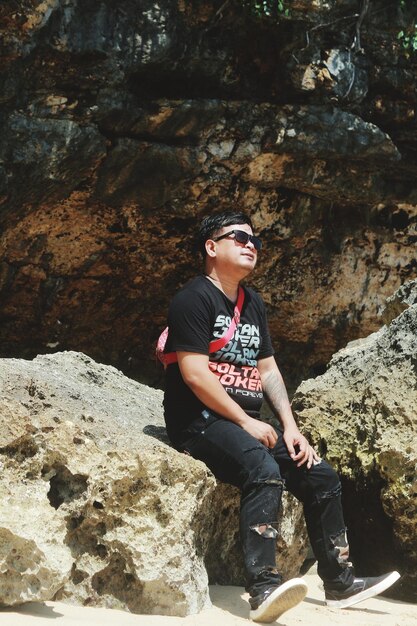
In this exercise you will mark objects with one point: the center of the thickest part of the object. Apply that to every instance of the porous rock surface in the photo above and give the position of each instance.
(362, 414)
(97, 508)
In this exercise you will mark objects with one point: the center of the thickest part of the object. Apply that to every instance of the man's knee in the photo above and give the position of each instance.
(316, 485)
(325, 482)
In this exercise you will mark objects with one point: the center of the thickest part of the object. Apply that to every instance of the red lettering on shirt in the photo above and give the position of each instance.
(230, 375)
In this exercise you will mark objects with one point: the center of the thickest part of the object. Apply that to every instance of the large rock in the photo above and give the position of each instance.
(97, 508)
(362, 414)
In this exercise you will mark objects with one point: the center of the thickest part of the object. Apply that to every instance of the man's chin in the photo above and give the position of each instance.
(247, 266)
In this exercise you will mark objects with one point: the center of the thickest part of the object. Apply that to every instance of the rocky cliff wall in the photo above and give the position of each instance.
(121, 125)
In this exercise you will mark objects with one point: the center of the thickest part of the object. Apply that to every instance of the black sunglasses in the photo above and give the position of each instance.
(242, 237)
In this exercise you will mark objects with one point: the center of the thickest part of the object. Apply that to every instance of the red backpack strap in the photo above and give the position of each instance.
(218, 344)
(167, 358)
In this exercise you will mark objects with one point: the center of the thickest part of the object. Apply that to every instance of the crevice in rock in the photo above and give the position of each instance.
(85, 535)
(116, 580)
(373, 547)
(78, 575)
(65, 486)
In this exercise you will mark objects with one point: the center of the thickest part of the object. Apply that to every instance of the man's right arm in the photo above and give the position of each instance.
(206, 386)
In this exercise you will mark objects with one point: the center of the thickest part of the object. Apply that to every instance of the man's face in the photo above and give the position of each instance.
(231, 255)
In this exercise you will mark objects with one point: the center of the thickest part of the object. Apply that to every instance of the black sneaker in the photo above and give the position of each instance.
(360, 589)
(273, 602)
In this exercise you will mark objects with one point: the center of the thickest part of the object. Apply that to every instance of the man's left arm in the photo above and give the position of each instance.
(276, 394)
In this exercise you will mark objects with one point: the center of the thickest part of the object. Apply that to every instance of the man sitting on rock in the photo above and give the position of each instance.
(212, 412)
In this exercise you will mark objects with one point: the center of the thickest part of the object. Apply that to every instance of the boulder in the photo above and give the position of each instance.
(97, 508)
(362, 415)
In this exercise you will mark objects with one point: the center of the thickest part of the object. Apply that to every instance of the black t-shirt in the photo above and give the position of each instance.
(200, 313)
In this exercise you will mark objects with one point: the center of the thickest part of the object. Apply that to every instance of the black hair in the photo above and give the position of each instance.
(211, 225)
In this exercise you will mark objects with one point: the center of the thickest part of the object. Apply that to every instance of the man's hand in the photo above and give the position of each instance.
(261, 431)
(299, 449)
(273, 385)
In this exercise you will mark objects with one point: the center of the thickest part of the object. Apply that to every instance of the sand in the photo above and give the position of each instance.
(230, 608)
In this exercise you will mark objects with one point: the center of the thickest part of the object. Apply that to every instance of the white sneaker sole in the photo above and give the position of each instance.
(285, 597)
(366, 593)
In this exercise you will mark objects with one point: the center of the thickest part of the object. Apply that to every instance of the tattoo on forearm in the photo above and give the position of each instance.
(275, 393)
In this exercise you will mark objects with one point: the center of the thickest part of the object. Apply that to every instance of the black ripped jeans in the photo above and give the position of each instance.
(235, 457)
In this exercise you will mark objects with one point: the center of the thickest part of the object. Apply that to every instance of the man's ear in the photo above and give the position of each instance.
(211, 248)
